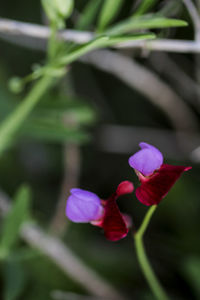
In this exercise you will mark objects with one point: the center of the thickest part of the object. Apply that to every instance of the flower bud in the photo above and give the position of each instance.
(16, 85)
(58, 10)
(64, 7)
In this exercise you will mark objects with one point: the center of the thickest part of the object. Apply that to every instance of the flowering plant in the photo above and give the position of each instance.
(156, 180)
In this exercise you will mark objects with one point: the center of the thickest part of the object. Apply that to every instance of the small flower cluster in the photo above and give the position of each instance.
(156, 180)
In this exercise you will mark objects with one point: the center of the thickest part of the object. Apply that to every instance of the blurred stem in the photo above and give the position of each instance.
(147, 270)
(52, 43)
(71, 169)
(12, 123)
(197, 58)
(71, 162)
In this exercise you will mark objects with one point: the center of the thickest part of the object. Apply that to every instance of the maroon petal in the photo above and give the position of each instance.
(116, 225)
(125, 187)
(113, 222)
(155, 187)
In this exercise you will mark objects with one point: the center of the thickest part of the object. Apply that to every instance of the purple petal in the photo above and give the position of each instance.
(147, 160)
(85, 195)
(83, 206)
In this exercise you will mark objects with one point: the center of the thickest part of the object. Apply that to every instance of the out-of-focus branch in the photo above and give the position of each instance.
(42, 32)
(196, 22)
(186, 85)
(125, 139)
(71, 170)
(194, 16)
(59, 295)
(21, 29)
(147, 83)
(4, 203)
(63, 257)
(71, 157)
(195, 155)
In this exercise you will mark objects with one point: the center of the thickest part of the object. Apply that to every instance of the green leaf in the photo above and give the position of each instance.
(170, 9)
(102, 42)
(109, 11)
(144, 22)
(83, 49)
(14, 280)
(59, 120)
(88, 15)
(144, 7)
(51, 131)
(114, 40)
(18, 214)
(191, 268)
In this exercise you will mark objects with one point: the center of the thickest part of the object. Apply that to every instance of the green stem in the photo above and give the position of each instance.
(52, 43)
(143, 260)
(12, 123)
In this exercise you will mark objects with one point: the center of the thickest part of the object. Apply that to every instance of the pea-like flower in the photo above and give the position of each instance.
(83, 206)
(156, 177)
(86, 207)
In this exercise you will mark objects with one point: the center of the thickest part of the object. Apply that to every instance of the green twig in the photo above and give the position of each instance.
(143, 260)
(13, 122)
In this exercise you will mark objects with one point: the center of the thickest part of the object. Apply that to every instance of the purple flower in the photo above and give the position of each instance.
(147, 160)
(156, 178)
(83, 206)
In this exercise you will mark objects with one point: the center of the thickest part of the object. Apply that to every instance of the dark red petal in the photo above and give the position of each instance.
(113, 222)
(155, 187)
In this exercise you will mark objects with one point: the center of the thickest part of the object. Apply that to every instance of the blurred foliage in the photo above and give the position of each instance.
(74, 113)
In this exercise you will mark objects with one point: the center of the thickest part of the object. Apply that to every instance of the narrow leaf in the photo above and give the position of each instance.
(146, 22)
(108, 13)
(14, 280)
(88, 15)
(15, 218)
(54, 132)
(191, 268)
(144, 6)
(83, 49)
(115, 40)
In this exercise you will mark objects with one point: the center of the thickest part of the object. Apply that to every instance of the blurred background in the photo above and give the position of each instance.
(82, 134)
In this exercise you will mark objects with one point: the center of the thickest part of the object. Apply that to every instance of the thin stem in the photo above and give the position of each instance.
(71, 175)
(52, 43)
(12, 123)
(143, 260)
(146, 221)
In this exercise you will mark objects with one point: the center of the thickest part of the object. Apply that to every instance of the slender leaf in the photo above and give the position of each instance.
(191, 268)
(15, 218)
(88, 15)
(114, 40)
(170, 9)
(109, 11)
(14, 280)
(147, 22)
(83, 49)
(144, 6)
(61, 112)
(54, 132)
(103, 42)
